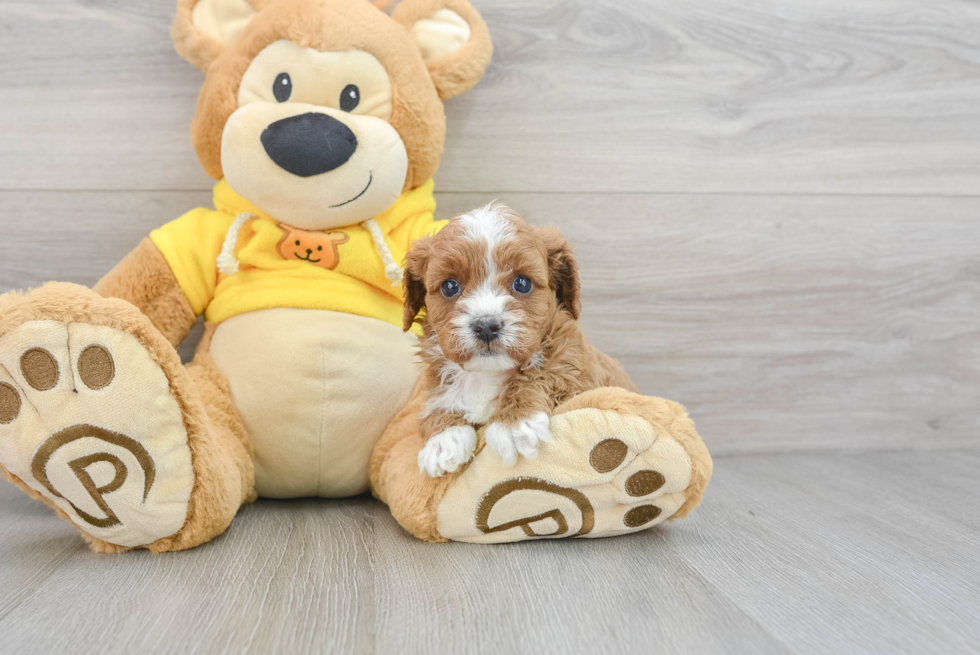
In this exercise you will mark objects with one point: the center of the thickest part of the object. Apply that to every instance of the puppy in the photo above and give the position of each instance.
(501, 342)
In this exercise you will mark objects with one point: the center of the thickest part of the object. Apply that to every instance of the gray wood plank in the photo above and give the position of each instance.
(823, 553)
(840, 553)
(33, 547)
(809, 553)
(286, 577)
(589, 596)
(782, 323)
(79, 236)
(609, 95)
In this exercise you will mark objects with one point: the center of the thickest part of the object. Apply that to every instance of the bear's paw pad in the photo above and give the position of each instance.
(88, 420)
(604, 474)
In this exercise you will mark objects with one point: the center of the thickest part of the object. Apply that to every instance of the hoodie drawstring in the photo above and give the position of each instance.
(392, 270)
(228, 263)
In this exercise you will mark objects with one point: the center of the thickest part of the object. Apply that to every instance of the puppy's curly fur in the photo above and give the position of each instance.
(489, 272)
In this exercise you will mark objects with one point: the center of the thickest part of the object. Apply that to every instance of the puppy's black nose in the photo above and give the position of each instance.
(309, 144)
(486, 329)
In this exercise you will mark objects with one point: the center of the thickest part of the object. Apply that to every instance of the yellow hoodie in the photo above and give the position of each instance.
(279, 266)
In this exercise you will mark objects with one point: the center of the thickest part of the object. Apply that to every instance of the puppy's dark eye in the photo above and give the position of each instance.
(522, 284)
(350, 98)
(450, 288)
(282, 88)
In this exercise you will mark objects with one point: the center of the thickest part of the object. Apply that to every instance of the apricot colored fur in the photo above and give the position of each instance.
(571, 373)
(567, 363)
(395, 479)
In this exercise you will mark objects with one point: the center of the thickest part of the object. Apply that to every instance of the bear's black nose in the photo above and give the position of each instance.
(309, 144)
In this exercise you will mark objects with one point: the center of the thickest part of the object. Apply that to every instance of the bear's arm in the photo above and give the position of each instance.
(144, 279)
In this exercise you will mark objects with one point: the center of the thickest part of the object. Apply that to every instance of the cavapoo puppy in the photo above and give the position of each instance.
(501, 345)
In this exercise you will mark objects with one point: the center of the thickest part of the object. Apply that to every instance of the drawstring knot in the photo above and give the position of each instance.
(392, 270)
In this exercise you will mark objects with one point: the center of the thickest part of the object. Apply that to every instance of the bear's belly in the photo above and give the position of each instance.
(316, 389)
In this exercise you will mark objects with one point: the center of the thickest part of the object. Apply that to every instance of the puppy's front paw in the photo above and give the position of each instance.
(447, 451)
(507, 441)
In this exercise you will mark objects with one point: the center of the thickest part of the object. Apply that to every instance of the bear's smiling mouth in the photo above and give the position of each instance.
(347, 202)
(308, 258)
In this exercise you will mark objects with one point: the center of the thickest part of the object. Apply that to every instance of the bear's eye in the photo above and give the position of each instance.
(319, 247)
(522, 284)
(297, 243)
(350, 97)
(450, 288)
(282, 88)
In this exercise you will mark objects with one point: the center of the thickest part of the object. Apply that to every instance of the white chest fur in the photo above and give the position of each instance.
(472, 393)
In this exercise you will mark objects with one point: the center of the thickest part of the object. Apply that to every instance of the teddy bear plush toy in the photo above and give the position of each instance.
(323, 123)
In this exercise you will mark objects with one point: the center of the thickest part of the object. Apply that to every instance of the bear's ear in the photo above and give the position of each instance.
(204, 28)
(453, 39)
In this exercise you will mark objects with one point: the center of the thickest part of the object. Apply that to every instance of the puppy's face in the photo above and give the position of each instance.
(490, 285)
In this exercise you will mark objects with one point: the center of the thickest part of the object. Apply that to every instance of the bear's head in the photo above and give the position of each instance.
(322, 112)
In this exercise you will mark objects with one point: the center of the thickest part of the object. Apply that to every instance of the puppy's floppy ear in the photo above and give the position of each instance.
(453, 39)
(563, 269)
(204, 28)
(414, 281)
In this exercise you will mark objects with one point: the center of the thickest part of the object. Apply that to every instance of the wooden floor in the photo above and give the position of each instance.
(819, 553)
(776, 205)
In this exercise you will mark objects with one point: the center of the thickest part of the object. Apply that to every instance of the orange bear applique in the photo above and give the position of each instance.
(318, 248)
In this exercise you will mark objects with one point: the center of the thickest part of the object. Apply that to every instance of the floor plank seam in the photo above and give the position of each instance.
(808, 452)
(613, 192)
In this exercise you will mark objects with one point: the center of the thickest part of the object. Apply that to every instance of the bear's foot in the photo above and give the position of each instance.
(100, 421)
(87, 420)
(619, 462)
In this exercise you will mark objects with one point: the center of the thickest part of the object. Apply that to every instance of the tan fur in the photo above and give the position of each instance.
(221, 458)
(338, 25)
(395, 479)
(460, 71)
(144, 279)
(198, 49)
